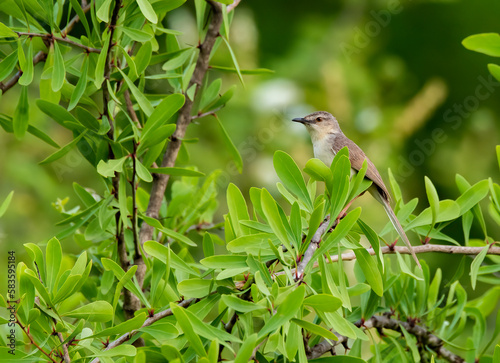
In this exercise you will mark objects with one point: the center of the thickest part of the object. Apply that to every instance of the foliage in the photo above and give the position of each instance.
(182, 293)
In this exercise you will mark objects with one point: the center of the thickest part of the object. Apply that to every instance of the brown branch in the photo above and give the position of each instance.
(313, 246)
(66, 357)
(423, 336)
(75, 19)
(162, 314)
(200, 115)
(50, 37)
(184, 118)
(452, 250)
(388, 250)
(231, 7)
(26, 331)
(41, 56)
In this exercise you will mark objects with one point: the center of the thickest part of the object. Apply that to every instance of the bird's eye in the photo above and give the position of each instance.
(319, 119)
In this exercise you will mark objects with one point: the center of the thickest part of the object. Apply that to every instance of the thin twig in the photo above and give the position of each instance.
(184, 119)
(66, 357)
(313, 246)
(200, 115)
(51, 37)
(387, 250)
(231, 7)
(162, 314)
(75, 19)
(23, 328)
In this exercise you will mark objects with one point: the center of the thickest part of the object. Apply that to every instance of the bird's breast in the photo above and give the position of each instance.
(323, 151)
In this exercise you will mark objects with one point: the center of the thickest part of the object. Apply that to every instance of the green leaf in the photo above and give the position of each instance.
(108, 168)
(233, 151)
(21, 114)
(472, 196)
(7, 65)
(137, 35)
(370, 270)
(97, 311)
(5, 203)
(270, 210)
(487, 43)
(210, 93)
(319, 171)
(58, 71)
(6, 32)
(143, 172)
(237, 209)
(53, 255)
(235, 61)
(290, 175)
(433, 198)
(148, 11)
(225, 261)
(101, 60)
(246, 350)
(163, 112)
(448, 210)
(494, 70)
(80, 86)
(474, 267)
(411, 342)
(141, 99)
(81, 15)
(209, 332)
(56, 112)
(323, 302)
(161, 331)
(240, 305)
(286, 310)
(177, 236)
(161, 252)
(222, 100)
(256, 71)
(338, 359)
(156, 137)
(341, 230)
(125, 350)
(177, 171)
(27, 76)
(315, 329)
(405, 269)
(122, 328)
(62, 151)
(187, 328)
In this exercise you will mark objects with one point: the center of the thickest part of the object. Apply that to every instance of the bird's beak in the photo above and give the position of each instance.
(301, 120)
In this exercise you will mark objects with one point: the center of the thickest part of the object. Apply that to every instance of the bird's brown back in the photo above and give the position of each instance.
(356, 157)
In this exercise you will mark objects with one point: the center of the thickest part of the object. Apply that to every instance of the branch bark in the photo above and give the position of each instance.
(162, 314)
(51, 37)
(160, 181)
(423, 336)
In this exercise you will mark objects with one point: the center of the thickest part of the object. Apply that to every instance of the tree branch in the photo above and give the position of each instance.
(388, 250)
(231, 7)
(183, 120)
(313, 246)
(423, 336)
(51, 37)
(162, 314)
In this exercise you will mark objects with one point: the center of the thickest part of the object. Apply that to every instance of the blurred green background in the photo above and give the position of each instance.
(393, 72)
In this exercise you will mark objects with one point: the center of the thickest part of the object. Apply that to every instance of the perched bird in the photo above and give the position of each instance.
(328, 139)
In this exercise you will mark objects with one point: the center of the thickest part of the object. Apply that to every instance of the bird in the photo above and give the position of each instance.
(327, 139)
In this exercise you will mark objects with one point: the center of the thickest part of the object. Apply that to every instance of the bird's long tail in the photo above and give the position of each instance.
(397, 226)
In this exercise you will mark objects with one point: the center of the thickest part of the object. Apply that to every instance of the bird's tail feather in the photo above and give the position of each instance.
(399, 229)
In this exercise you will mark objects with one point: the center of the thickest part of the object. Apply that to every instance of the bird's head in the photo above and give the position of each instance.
(320, 123)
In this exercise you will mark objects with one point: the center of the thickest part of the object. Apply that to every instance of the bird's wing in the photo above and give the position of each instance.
(357, 157)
